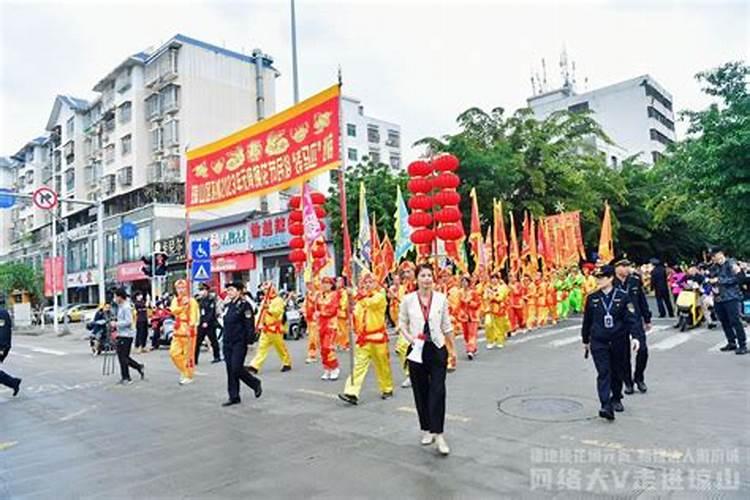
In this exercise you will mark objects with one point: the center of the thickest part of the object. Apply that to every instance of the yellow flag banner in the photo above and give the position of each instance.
(273, 154)
(566, 238)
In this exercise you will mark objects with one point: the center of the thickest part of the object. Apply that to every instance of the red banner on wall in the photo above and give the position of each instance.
(53, 272)
(287, 148)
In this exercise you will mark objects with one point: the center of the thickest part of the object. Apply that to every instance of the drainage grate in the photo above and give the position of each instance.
(546, 408)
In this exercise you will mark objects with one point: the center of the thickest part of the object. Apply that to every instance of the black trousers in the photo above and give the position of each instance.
(6, 379)
(141, 334)
(210, 331)
(641, 358)
(123, 355)
(609, 360)
(664, 303)
(728, 313)
(234, 359)
(155, 335)
(428, 384)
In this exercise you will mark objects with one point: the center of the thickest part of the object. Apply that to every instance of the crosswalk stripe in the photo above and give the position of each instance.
(671, 341)
(717, 347)
(565, 341)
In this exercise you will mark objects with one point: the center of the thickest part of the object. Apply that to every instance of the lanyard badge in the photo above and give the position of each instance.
(609, 321)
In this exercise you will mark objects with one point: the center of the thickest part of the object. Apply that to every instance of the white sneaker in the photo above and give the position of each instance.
(428, 438)
(442, 446)
(326, 375)
(500, 346)
(186, 381)
(490, 347)
(309, 361)
(406, 383)
(334, 374)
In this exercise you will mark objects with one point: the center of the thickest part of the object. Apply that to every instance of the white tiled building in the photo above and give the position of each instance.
(368, 137)
(636, 114)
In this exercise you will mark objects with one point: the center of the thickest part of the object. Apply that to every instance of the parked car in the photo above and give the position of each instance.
(82, 312)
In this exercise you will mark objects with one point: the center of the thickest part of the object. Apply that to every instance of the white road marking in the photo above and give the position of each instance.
(717, 346)
(318, 393)
(42, 350)
(565, 341)
(76, 414)
(448, 416)
(525, 337)
(671, 341)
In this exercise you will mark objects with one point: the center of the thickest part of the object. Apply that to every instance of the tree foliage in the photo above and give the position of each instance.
(19, 276)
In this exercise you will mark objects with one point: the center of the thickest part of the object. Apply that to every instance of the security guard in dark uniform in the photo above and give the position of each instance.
(239, 331)
(5, 333)
(208, 323)
(631, 283)
(607, 319)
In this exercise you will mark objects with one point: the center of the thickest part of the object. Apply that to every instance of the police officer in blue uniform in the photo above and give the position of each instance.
(239, 331)
(607, 319)
(631, 283)
(5, 333)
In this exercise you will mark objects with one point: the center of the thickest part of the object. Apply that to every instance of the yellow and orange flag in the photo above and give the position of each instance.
(515, 259)
(475, 232)
(606, 247)
(388, 257)
(501, 242)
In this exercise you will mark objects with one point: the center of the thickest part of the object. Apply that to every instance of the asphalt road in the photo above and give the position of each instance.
(521, 423)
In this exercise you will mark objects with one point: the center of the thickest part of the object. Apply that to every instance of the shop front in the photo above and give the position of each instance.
(83, 287)
(130, 276)
(231, 259)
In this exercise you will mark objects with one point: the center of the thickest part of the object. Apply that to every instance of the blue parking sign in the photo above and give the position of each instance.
(201, 270)
(200, 250)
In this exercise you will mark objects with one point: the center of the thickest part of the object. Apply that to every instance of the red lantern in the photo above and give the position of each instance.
(295, 216)
(320, 212)
(319, 251)
(420, 219)
(295, 201)
(420, 202)
(296, 229)
(322, 226)
(445, 163)
(297, 255)
(422, 236)
(419, 168)
(450, 232)
(419, 185)
(448, 214)
(447, 197)
(446, 180)
(297, 242)
(317, 198)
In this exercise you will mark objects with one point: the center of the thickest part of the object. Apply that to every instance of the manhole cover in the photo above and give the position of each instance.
(545, 408)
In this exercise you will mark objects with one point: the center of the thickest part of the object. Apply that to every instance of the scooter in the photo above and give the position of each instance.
(295, 322)
(689, 309)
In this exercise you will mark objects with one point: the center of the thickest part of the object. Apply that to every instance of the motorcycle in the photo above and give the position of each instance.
(689, 307)
(295, 321)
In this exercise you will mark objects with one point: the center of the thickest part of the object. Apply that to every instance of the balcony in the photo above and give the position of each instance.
(164, 171)
(108, 185)
(125, 176)
(46, 174)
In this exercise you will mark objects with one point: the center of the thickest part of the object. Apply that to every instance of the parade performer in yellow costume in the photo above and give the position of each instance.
(542, 307)
(468, 314)
(186, 314)
(589, 281)
(269, 322)
(498, 325)
(372, 341)
(408, 284)
(327, 307)
(342, 318)
(530, 298)
(450, 286)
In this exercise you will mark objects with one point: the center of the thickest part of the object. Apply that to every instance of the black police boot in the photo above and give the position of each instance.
(729, 347)
(607, 413)
(741, 350)
(642, 386)
(386, 395)
(258, 390)
(17, 387)
(252, 370)
(286, 368)
(349, 398)
(142, 371)
(629, 389)
(231, 402)
(617, 406)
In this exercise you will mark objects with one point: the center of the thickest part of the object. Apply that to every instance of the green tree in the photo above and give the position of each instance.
(19, 276)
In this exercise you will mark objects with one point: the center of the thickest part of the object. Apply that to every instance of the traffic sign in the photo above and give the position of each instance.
(128, 230)
(200, 249)
(7, 200)
(44, 198)
(201, 270)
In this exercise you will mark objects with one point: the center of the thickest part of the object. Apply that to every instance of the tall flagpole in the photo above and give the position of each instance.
(295, 76)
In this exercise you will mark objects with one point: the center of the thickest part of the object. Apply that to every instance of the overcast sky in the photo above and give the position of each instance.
(416, 63)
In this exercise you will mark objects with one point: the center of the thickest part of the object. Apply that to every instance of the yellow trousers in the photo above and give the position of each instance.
(496, 329)
(182, 350)
(313, 340)
(264, 345)
(531, 316)
(542, 315)
(363, 355)
(402, 346)
(342, 336)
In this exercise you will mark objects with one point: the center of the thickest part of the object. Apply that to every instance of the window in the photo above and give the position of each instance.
(351, 153)
(654, 113)
(374, 156)
(70, 179)
(171, 133)
(112, 249)
(351, 130)
(85, 254)
(125, 112)
(395, 160)
(126, 145)
(156, 140)
(333, 176)
(125, 176)
(394, 139)
(153, 107)
(70, 127)
(659, 137)
(30, 154)
(373, 134)
(656, 156)
(109, 154)
(613, 159)
(122, 83)
(658, 96)
(581, 107)
(169, 98)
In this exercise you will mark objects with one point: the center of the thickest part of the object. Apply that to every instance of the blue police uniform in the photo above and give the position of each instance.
(239, 331)
(633, 286)
(5, 334)
(607, 319)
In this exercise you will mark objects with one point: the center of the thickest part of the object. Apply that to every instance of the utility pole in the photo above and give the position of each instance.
(295, 76)
(54, 271)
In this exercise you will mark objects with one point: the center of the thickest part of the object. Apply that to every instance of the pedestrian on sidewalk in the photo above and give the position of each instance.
(5, 334)
(661, 289)
(123, 325)
(725, 274)
(141, 322)
(208, 323)
(425, 322)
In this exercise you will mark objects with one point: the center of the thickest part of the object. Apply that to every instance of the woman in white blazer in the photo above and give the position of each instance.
(424, 321)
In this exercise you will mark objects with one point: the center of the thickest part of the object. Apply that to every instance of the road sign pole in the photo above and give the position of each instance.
(66, 329)
(54, 273)
(102, 253)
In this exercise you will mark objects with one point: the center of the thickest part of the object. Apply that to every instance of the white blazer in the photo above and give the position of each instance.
(411, 320)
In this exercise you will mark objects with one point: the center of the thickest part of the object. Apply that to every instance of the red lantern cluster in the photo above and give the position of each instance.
(297, 253)
(434, 202)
